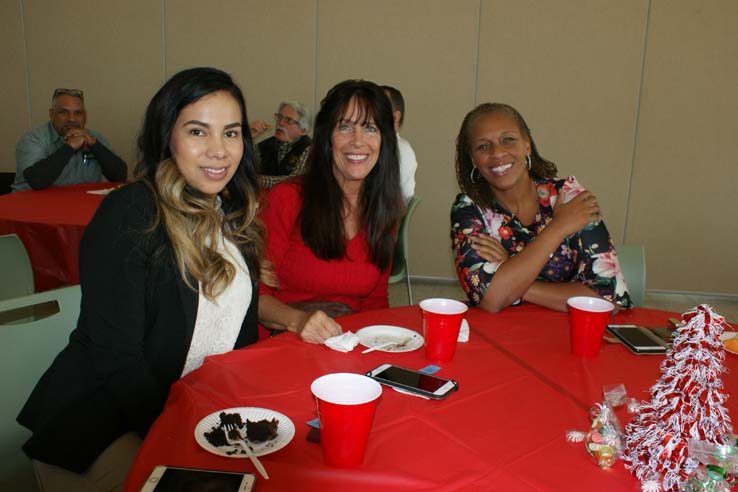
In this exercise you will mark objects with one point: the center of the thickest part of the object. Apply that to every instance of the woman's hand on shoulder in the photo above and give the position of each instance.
(575, 214)
(489, 248)
(317, 326)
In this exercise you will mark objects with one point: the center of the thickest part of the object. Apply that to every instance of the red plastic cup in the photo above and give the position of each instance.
(587, 320)
(346, 404)
(441, 322)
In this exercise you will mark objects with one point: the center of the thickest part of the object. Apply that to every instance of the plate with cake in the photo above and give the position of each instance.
(265, 430)
(730, 341)
(390, 338)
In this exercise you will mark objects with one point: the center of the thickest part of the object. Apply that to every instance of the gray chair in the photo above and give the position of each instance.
(400, 269)
(632, 259)
(17, 278)
(33, 330)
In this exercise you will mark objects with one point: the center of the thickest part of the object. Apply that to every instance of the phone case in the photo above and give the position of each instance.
(656, 349)
(152, 483)
(412, 389)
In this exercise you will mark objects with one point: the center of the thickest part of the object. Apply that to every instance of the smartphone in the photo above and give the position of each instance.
(640, 340)
(413, 381)
(173, 479)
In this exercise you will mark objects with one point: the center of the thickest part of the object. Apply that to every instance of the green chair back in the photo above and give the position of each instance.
(32, 333)
(632, 258)
(400, 260)
(17, 278)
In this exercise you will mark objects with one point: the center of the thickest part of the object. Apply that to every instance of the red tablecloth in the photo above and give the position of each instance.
(520, 391)
(50, 224)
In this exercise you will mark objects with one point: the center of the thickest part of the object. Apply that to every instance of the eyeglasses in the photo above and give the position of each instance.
(68, 92)
(287, 120)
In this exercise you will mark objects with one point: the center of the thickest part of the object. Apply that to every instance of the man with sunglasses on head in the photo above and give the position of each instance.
(62, 151)
(284, 155)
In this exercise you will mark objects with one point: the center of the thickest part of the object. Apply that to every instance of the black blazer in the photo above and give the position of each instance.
(134, 330)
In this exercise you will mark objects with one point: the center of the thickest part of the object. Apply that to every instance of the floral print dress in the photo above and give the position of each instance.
(587, 256)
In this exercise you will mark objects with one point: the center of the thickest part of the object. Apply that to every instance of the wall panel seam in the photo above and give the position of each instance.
(26, 65)
(634, 145)
(315, 57)
(163, 41)
(475, 68)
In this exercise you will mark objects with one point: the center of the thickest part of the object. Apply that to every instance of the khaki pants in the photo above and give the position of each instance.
(106, 474)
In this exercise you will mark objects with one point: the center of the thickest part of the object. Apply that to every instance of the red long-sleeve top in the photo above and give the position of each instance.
(353, 280)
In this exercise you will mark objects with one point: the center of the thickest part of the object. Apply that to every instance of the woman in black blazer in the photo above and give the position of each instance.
(168, 270)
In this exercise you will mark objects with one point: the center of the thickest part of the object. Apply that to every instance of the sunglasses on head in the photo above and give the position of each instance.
(69, 92)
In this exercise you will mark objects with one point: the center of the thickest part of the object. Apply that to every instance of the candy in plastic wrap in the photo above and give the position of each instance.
(604, 441)
(718, 468)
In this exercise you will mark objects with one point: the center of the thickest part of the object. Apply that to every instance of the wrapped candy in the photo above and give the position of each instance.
(604, 441)
(718, 468)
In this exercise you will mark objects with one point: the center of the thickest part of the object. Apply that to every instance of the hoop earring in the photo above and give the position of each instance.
(527, 159)
(471, 175)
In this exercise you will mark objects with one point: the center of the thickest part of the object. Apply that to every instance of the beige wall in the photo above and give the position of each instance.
(634, 97)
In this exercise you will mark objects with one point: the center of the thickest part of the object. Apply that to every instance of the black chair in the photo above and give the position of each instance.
(6, 179)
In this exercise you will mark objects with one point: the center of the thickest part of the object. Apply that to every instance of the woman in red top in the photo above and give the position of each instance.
(330, 234)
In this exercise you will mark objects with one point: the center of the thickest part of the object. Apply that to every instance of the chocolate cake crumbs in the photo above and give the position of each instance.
(230, 419)
(216, 437)
(262, 430)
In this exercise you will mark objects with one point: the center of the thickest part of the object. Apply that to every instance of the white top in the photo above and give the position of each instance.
(408, 165)
(218, 323)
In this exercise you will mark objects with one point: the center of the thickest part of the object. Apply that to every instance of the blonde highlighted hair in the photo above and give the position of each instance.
(194, 227)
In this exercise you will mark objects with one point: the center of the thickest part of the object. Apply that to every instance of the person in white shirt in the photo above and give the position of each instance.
(408, 164)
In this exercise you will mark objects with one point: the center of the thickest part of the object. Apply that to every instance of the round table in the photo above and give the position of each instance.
(50, 223)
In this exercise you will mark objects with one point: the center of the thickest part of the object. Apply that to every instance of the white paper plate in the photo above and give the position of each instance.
(100, 192)
(285, 432)
(371, 336)
(727, 335)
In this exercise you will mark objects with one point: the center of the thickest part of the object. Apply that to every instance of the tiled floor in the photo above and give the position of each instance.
(680, 303)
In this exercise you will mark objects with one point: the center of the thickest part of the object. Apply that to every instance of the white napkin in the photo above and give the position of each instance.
(463, 331)
(343, 343)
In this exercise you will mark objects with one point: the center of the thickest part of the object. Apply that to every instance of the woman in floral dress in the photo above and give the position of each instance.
(518, 232)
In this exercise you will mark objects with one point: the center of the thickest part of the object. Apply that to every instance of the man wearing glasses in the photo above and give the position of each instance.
(284, 155)
(62, 151)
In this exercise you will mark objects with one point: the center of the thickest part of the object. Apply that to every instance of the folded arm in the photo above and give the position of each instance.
(113, 167)
(38, 170)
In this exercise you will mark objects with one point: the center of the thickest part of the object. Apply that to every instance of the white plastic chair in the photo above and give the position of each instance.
(33, 330)
(632, 259)
(400, 268)
(17, 274)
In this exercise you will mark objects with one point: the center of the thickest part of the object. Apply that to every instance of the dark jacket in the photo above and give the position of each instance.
(134, 330)
(268, 163)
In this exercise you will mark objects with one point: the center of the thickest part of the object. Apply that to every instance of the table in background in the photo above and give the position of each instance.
(520, 391)
(50, 224)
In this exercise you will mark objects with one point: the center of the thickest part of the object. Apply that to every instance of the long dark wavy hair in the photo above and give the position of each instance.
(380, 200)
(479, 190)
(192, 223)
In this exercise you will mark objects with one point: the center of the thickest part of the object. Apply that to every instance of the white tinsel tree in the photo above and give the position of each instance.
(688, 402)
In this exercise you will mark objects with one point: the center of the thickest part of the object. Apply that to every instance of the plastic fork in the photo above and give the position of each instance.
(397, 343)
(241, 441)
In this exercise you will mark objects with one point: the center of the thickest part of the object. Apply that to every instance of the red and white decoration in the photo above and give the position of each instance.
(688, 402)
